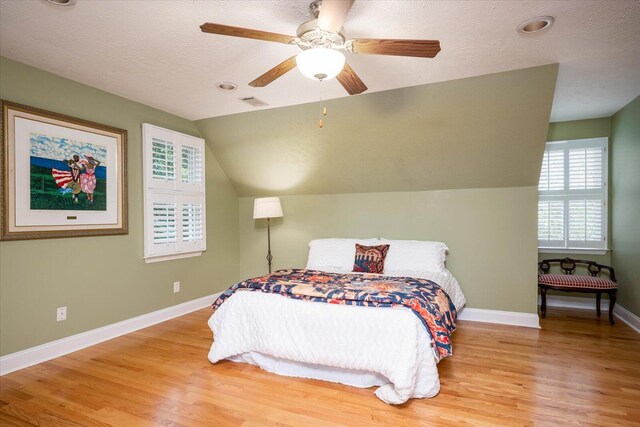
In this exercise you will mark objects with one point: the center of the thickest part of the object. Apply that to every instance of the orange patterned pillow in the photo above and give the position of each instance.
(370, 259)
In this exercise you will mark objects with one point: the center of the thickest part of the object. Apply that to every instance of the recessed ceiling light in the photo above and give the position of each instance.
(62, 2)
(536, 24)
(226, 86)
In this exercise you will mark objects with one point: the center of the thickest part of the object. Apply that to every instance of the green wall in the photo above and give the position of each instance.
(625, 204)
(103, 280)
(579, 129)
(491, 235)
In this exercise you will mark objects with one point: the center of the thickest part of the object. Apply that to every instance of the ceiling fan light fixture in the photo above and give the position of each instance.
(320, 63)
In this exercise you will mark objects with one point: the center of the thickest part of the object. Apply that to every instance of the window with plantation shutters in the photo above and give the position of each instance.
(572, 196)
(174, 193)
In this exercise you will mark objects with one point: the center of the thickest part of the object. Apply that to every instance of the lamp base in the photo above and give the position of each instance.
(269, 256)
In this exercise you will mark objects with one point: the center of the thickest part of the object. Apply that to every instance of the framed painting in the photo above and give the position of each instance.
(60, 176)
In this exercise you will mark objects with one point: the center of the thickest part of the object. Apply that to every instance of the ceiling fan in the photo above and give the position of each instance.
(322, 39)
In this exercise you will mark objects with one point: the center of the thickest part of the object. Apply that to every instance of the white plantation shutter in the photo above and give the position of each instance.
(585, 168)
(192, 225)
(165, 227)
(572, 195)
(162, 160)
(551, 221)
(191, 165)
(175, 217)
(585, 221)
(552, 174)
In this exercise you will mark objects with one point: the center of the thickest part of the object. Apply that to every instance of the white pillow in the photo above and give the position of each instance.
(335, 255)
(413, 255)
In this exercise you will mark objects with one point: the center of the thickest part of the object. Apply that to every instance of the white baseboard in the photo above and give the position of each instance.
(585, 303)
(627, 317)
(514, 318)
(32, 356)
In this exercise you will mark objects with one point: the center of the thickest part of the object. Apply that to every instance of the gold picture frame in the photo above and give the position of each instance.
(60, 176)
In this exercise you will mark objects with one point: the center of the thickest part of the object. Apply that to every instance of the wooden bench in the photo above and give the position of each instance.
(568, 282)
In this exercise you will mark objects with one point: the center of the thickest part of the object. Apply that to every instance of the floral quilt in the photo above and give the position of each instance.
(425, 298)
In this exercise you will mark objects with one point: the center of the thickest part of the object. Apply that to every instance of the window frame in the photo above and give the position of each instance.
(176, 191)
(566, 195)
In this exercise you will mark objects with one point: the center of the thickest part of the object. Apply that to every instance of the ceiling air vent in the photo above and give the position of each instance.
(254, 102)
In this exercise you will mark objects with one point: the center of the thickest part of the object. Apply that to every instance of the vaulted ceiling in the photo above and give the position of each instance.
(153, 51)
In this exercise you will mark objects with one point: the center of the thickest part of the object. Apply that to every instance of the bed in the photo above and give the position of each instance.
(368, 342)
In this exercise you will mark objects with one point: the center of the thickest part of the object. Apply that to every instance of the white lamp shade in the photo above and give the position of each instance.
(267, 207)
(320, 63)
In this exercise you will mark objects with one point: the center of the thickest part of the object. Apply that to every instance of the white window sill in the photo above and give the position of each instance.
(573, 251)
(160, 258)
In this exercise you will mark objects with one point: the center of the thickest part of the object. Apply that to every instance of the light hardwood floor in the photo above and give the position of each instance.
(577, 370)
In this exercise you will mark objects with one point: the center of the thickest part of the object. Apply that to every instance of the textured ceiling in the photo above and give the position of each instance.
(479, 132)
(153, 51)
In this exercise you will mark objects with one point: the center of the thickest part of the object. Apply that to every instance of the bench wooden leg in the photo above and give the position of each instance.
(543, 298)
(598, 297)
(612, 303)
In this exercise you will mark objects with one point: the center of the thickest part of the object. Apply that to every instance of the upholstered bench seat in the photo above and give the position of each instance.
(570, 282)
(573, 281)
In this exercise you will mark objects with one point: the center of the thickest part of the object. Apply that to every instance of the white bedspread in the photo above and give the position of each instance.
(354, 345)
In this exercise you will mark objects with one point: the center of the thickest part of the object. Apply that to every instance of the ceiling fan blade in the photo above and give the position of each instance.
(398, 47)
(227, 30)
(350, 81)
(277, 71)
(333, 13)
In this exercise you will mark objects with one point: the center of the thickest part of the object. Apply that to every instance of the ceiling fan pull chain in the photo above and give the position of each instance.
(324, 107)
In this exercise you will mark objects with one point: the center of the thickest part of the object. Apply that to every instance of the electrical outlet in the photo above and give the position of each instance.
(61, 314)
(176, 287)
